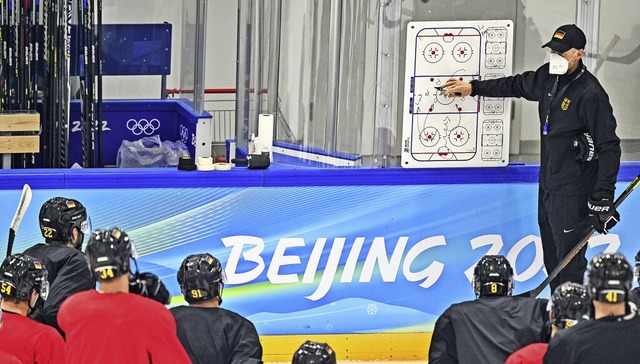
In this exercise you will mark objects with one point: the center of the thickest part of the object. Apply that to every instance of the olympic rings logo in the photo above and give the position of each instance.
(148, 127)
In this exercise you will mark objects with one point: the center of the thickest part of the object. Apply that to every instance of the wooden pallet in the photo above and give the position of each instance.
(19, 133)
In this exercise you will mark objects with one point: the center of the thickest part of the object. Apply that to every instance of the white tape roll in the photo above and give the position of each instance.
(205, 164)
(222, 166)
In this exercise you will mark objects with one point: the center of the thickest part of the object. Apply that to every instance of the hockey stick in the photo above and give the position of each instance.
(581, 244)
(25, 200)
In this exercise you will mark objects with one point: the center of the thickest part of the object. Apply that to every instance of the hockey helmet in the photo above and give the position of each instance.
(59, 215)
(608, 278)
(199, 277)
(312, 352)
(20, 275)
(570, 303)
(109, 252)
(493, 275)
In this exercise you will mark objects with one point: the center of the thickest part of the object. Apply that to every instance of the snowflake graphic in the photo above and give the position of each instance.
(372, 309)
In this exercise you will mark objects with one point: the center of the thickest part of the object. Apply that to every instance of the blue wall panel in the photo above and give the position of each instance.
(312, 251)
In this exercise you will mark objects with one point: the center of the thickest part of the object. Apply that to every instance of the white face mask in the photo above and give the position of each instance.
(558, 65)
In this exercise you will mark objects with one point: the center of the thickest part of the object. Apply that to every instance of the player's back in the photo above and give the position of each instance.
(119, 328)
(612, 339)
(67, 274)
(31, 341)
(489, 329)
(220, 336)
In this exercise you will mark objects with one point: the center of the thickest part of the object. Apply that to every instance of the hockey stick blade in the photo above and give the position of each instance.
(581, 244)
(25, 200)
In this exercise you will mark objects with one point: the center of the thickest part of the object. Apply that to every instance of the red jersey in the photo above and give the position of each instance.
(119, 328)
(30, 341)
(6, 358)
(530, 354)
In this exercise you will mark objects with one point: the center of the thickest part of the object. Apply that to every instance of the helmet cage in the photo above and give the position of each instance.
(201, 278)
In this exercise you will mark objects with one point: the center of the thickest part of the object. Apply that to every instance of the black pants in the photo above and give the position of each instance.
(563, 223)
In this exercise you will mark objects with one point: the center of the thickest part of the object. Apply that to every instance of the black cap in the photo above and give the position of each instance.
(186, 163)
(566, 37)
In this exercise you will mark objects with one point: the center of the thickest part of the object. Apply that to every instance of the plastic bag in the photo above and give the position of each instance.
(150, 152)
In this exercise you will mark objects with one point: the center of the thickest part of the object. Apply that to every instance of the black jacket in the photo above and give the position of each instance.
(488, 330)
(68, 274)
(582, 107)
(217, 335)
(612, 339)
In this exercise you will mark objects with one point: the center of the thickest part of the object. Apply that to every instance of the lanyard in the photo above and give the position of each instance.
(552, 97)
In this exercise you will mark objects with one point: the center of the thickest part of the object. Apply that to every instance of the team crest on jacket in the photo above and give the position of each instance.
(565, 104)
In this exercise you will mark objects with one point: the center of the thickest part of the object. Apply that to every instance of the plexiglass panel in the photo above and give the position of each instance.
(337, 89)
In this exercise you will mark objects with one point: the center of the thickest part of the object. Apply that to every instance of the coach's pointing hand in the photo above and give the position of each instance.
(454, 87)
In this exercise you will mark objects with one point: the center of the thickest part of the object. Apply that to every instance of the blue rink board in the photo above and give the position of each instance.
(321, 250)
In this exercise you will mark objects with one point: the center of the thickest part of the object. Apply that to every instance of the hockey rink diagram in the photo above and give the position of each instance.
(461, 131)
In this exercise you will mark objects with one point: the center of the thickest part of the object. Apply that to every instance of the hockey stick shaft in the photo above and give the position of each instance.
(581, 244)
(25, 200)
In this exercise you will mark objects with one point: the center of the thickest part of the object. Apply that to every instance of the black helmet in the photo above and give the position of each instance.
(20, 275)
(312, 352)
(199, 276)
(109, 252)
(59, 215)
(570, 303)
(608, 278)
(493, 275)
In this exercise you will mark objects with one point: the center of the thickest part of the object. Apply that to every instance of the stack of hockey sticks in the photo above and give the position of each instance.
(19, 20)
(90, 48)
(35, 70)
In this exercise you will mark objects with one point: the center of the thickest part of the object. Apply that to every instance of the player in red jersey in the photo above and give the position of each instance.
(23, 281)
(112, 325)
(4, 356)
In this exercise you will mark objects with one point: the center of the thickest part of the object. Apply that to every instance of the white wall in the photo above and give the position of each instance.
(619, 17)
(136, 12)
(540, 17)
(221, 44)
(222, 24)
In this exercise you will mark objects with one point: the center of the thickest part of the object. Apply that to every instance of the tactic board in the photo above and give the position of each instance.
(461, 131)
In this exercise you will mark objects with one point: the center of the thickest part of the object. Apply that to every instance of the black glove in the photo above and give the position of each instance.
(602, 213)
(585, 148)
(149, 285)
